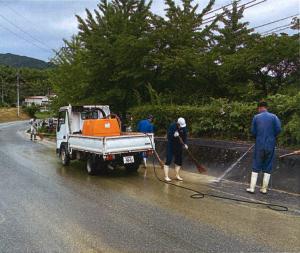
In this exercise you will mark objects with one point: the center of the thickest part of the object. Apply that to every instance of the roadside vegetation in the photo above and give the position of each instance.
(11, 114)
(213, 73)
(45, 115)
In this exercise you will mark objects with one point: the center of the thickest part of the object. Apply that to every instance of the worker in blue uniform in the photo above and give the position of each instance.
(145, 126)
(174, 147)
(265, 126)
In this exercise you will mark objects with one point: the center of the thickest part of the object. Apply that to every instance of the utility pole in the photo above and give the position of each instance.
(18, 88)
(2, 92)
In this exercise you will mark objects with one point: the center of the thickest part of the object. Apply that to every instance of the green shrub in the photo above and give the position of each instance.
(223, 119)
(290, 135)
(43, 129)
(4, 105)
(31, 110)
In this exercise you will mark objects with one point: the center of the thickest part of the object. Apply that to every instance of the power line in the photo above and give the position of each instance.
(29, 20)
(25, 32)
(283, 26)
(219, 8)
(29, 34)
(224, 12)
(24, 39)
(269, 32)
(207, 12)
(255, 4)
(275, 21)
(243, 5)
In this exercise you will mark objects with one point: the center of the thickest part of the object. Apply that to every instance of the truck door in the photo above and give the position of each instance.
(61, 134)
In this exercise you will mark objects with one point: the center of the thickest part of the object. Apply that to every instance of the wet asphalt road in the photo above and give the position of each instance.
(45, 207)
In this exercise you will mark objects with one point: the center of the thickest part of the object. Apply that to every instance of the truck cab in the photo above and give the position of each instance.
(71, 120)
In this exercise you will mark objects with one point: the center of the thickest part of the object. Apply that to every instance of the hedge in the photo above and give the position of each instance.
(223, 119)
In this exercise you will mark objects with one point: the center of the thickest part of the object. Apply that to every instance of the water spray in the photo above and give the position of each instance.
(232, 166)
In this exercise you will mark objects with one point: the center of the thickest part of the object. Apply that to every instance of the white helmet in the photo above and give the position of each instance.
(181, 122)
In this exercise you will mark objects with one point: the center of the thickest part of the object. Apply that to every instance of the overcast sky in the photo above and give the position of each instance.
(34, 28)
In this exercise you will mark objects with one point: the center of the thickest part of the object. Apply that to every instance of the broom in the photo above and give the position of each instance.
(293, 153)
(199, 167)
(159, 160)
(40, 135)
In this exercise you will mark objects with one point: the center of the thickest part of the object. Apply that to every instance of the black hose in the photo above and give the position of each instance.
(271, 206)
(200, 195)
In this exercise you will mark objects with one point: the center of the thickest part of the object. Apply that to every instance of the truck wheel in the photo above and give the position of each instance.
(65, 159)
(132, 167)
(90, 166)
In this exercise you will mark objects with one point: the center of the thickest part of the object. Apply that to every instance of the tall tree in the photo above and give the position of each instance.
(275, 58)
(180, 40)
(234, 37)
(69, 78)
(118, 44)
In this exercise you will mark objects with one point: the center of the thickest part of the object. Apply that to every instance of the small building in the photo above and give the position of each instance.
(37, 100)
(43, 101)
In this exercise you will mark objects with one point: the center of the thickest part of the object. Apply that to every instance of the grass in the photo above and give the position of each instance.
(11, 114)
(44, 115)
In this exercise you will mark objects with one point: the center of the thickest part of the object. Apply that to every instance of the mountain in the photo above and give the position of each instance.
(17, 61)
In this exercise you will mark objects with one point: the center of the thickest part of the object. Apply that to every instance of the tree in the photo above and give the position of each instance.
(69, 78)
(180, 41)
(117, 44)
(272, 60)
(234, 35)
(295, 24)
(234, 39)
(32, 82)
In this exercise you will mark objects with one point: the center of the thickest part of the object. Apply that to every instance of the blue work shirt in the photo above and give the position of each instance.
(174, 141)
(145, 126)
(265, 126)
(174, 146)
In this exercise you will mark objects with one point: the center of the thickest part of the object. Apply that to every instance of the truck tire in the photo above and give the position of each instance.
(132, 167)
(91, 167)
(65, 159)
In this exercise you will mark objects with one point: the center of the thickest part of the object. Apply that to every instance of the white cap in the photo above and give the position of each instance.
(181, 122)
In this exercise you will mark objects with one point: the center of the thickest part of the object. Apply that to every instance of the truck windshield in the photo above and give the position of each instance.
(61, 120)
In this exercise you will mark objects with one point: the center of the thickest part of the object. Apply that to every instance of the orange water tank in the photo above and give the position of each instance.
(101, 127)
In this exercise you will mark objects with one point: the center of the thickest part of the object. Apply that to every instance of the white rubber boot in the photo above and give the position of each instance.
(177, 169)
(266, 180)
(166, 170)
(253, 182)
(144, 162)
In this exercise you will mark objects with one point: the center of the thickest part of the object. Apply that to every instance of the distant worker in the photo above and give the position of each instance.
(265, 126)
(145, 126)
(174, 147)
(33, 127)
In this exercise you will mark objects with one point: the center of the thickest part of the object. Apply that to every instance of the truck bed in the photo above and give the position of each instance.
(125, 143)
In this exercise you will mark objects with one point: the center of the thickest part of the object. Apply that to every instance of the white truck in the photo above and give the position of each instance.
(99, 152)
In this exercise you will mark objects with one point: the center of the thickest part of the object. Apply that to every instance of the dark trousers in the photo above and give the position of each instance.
(263, 160)
(174, 150)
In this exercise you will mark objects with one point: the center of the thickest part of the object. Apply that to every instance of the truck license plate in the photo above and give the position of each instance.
(128, 159)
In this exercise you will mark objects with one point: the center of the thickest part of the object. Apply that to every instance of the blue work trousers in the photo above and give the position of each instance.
(174, 150)
(263, 159)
